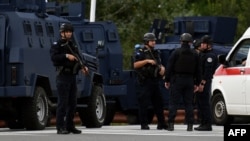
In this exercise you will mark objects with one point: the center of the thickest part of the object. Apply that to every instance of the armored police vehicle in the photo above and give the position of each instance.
(27, 77)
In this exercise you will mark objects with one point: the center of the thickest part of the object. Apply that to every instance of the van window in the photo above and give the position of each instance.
(239, 55)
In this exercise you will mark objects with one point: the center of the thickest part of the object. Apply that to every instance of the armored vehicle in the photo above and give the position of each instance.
(27, 77)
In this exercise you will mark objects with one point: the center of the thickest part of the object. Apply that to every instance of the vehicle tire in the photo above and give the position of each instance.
(110, 113)
(219, 111)
(93, 116)
(35, 110)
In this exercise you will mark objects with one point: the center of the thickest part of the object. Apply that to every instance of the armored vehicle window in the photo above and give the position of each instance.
(27, 28)
(112, 36)
(176, 27)
(201, 26)
(39, 29)
(87, 36)
(50, 30)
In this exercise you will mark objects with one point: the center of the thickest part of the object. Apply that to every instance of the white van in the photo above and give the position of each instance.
(230, 95)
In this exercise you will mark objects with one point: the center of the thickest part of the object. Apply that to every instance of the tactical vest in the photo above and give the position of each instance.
(66, 66)
(185, 62)
(148, 70)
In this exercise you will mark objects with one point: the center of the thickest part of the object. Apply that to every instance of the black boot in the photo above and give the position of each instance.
(74, 130)
(171, 126)
(144, 127)
(162, 126)
(190, 127)
(204, 127)
(62, 131)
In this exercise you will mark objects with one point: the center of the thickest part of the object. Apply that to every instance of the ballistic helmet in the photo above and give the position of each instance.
(149, 37)
(196, 43)
(206, 39)
(66, 27)
(186, 37)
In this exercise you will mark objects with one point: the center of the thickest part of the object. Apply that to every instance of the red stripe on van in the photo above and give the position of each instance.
(232, 71)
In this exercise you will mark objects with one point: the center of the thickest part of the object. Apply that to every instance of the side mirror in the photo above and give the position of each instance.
(222, 58)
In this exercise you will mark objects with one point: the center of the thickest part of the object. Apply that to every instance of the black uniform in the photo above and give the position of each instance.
(183, 72)
(148, 90)
(66, 84)
(209, 64)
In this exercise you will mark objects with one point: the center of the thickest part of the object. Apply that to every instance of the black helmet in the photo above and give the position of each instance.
(206, 39)
(66, 27)
(196, 43)
(149, 37)
(186, 37)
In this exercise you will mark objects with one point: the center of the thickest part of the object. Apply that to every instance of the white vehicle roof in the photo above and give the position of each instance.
(247, 32)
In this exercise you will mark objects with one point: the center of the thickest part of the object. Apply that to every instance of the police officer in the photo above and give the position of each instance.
(182, 78)
(150, 71)
(209, 64)
(65, 62)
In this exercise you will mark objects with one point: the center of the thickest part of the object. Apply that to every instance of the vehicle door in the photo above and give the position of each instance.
(235, 80)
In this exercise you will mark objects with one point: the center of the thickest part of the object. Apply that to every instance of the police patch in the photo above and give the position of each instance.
(209, 60)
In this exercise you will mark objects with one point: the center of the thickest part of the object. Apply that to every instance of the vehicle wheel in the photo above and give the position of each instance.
(93, 116)
(35, 110)
(219, 111)
(110, 113)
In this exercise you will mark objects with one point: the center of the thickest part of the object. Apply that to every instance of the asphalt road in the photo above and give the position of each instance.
(115, 133)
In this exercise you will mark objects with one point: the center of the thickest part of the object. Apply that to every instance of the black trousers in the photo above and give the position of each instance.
(204, 104)
(181, 90)
(149, 94)
(67, 100)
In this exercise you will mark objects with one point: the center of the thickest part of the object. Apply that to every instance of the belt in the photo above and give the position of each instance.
(66, 71)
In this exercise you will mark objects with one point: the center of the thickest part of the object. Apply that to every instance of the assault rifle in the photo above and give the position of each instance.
(79, 59)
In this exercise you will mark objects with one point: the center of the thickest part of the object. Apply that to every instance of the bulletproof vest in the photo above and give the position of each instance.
(148, 70)
(186, 61)
(69, 63)
(66, 65)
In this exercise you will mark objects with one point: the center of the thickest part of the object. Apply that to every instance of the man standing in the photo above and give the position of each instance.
(150, 71)
(182, 77)
(63, 55)
(209, 64)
